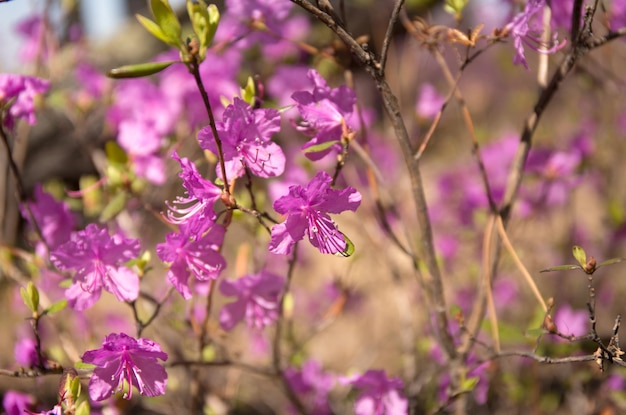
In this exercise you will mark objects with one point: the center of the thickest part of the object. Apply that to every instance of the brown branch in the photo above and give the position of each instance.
(433, 284)
(387, 40)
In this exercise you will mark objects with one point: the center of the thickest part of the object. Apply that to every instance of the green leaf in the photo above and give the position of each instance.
(152, 27)
(248, 92)
(214, 20)
(349, 249)
(30, 296)
(580, 255)
(610, 262)
(83, 408)
(455, 7)
(115, 154)
(208, 353)
(167, 21)
(560, 268)
(56, 307)
(469, 384)
(139, 70)
(288, 305)
(84, 366)
(75, 387)
(321, 147)
(115, 206)
(91, 193)
(204, 20)
(534, 333)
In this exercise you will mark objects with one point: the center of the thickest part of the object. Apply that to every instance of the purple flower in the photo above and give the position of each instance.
(257, 300)
(246, 135)
(307, 210)
(93, 83)
(324, 112)
(141, 141)
(53, 218)
(192, 253)
(571, 322)
(17, 97)
(15, 403)
(527, 31)
(56, 410)
(312, 385)
(195, 210)
(262, 22)
(25, 352)
(97, 260)
(124, 358)
(379, 394)
(35, 44)
(181, 92)
(429, 102)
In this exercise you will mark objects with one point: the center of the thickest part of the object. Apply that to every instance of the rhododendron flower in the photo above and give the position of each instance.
(56, 410)
(429, 101)
(571, 322)
(257, 300)
(266, 23)
(192, 253)
(195, 210)
(25, 352)
(17, 97)
(35, 42)
(246, 135)
(180, 89)
(54, 219)
(16, 403)
(124, 358)
(307, 210)
(324, 112)
(379, 394)
(526, 30)
(312, 385)
(97, 260)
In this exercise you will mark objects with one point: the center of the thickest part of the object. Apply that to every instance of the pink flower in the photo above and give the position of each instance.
(54, 218)
(192, 253)
(15, 403)
(526, 30)
(25, 352)
(429, 102)
(246, 141)
(324, 113)
(380, 395)
(124, 358)
(257, 300)
(97, 260)
(17, 97)
(312, 385)
(307, 210)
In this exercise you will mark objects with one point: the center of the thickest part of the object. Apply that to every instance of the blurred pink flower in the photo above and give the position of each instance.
(257, 300)
(380, 395)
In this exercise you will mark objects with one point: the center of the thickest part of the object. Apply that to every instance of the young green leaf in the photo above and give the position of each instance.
(167, 21)
(139, 70)
(115, 206)
(560, 268)
(321, 146)
(580, 255)
(152, 27)
(30, 296)
(56, 307)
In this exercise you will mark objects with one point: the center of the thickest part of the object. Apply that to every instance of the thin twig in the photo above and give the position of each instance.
(520, 265)
(387, 40)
